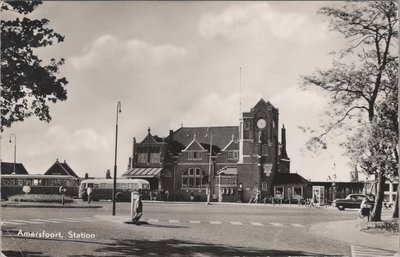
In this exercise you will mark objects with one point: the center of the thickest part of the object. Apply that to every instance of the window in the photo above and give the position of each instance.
(265, 150)
(279, 192)
(36, 182)
(194, 178)
(264, 185)
(233, 155)
(194, 155)
(298, 192)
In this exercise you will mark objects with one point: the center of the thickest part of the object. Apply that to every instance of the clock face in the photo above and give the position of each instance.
(261, 123)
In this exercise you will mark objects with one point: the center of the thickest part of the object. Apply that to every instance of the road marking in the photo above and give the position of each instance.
(75, 219)
(65, 220)
(194, 221)
(28, 221)
(173, 221)
(215, 222)
(276, 224)
(237, 223)
(256, 224)
(298, 225)
(152, 220)
(51, 221)
(12, 223)
(358, 251)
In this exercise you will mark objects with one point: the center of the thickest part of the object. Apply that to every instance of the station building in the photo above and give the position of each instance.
(225, 163)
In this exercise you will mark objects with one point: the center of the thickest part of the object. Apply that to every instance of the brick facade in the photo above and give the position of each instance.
(244, 158)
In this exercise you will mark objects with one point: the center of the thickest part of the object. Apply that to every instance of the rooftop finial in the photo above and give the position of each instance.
(149, 130)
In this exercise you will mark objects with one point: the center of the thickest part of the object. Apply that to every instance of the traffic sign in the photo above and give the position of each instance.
(62, 189)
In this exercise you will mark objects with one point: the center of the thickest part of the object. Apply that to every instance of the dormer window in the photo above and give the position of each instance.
(233, 155)
(194, 155)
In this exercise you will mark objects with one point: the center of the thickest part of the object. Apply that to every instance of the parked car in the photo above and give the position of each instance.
(352, 201)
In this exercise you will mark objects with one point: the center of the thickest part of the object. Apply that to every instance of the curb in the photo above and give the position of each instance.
(48, 206)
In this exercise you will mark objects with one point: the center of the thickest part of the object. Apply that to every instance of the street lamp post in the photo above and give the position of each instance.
(209, 171)
(15, 150)
(115, 162)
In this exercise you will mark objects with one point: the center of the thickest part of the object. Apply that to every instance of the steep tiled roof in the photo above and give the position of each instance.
(8, 168)
(60, 168)
(289, 178)
(221, 136)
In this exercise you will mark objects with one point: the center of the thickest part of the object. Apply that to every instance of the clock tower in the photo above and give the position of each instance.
(258, 148)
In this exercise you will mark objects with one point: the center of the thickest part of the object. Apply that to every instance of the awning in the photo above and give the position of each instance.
(227, 171)
(143, 172)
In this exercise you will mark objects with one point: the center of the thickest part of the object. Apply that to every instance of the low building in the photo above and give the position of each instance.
(13, 168)
(59, 168)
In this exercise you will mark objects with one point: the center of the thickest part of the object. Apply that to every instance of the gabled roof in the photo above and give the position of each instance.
(232, 145)
(263, 105)
(60, 169)
(149, 139)
(194, 145)
(289, 178)
(221, 136)
(8, 168)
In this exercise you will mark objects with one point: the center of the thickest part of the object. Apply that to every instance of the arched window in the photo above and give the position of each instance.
(193, 178)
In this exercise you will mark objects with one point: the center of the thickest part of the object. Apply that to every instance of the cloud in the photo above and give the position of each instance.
(80, 140)
(260, 21)
(112, 51)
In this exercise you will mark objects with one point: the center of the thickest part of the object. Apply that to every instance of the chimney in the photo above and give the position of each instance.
(171, 135)
(132, 162)
(283, 136)
(108, 176)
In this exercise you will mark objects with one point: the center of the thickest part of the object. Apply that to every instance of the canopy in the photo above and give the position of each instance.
(143, 172)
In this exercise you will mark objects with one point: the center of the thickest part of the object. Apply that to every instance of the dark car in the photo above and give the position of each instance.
(352, 201)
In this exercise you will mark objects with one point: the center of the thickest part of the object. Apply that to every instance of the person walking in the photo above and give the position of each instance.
(138, 210)
(364, 209)
(313, 200)
(89, 192)
(166, 195)
(257, 198)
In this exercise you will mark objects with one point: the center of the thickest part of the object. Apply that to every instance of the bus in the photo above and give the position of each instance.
(102, 188)
(39, 184)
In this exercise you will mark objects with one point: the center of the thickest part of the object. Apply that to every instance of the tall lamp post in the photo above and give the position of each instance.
(209, 171)
(115, 162)
(15, 150)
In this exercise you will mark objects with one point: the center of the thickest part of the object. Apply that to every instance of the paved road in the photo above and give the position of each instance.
(171, 229)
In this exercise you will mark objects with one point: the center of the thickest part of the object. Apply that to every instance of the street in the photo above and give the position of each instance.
(184, 229)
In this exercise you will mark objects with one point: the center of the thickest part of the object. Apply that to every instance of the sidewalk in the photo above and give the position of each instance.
(47, 205)
(349, 231)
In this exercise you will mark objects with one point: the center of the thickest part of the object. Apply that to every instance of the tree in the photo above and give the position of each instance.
(362, 86)
(27, 84)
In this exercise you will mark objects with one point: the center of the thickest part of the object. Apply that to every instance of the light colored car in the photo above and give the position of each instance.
(352, 201)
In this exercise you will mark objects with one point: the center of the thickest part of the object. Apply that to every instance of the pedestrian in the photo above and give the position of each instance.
(89, 192)
(313, 200)
(258, 192)
(191, 197)
(364, 209)
(166, 195)
(138, 210)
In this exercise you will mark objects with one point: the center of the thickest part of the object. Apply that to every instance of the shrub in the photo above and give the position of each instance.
(389, 225)
(41, 198)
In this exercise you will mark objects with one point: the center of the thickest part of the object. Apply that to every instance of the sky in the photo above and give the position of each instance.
(174, 63)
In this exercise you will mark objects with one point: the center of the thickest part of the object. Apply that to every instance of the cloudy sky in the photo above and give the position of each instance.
(173, 63)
